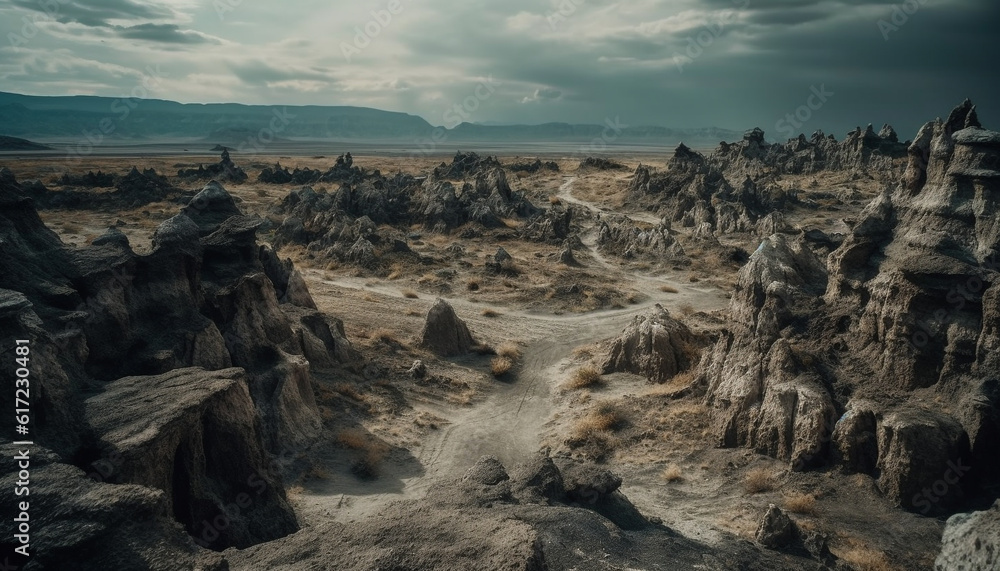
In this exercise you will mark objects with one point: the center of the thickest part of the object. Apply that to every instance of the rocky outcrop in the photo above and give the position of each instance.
(545, 514)
(78, 521)
(601, 164)
(621, 236)
(124, 329)
(656, 346)
(861, 151)
(179, 419)
(343, 171)
(444, 333)
(464, 165)
(971, 542)
(224, 171)
(695, 192)
(902, 346)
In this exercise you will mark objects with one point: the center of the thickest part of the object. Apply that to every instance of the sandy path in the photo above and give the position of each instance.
(510, 421)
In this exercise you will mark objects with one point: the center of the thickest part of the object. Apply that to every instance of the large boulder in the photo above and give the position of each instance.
(161, 430)
(656, 346)
(444, 333)
(971, 542)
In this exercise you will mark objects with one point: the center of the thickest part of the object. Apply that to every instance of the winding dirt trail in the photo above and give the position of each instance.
(510, 421)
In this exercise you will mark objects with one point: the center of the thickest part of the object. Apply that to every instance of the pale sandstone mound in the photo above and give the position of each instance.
(656, 346)
(444, 333)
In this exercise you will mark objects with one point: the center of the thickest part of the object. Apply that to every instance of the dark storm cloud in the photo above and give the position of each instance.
(684, 63)
(96, 13)
(164, 33)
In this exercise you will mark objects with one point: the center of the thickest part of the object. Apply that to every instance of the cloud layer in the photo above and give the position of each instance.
(681, 63)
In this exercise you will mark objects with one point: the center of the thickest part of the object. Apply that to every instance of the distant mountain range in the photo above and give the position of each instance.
(61, 118)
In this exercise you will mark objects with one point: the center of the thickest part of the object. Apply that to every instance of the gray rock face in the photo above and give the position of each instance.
(656, 346)
(444, 333)
(202, 298)
(620, 236)
(776, 529)
(906, 330)
(79, 522)
(181, 419)
(971, 542)
(762, 394)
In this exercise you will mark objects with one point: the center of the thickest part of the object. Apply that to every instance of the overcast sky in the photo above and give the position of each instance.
(680, 63)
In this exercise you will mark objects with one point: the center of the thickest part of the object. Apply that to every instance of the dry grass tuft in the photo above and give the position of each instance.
(410, 294)
(668, 289)
(864, 558)
(370, 297)
(686, 309)
(554, 200)
(490, 313)
(510, 351)
(673, 473)
(758, 480)
(500, 366)
(800, 503)
(372, 452)
(349, 392)
(584, 377)
(473, 285)
(595, 426)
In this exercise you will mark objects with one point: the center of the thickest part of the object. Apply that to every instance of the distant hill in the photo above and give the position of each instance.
(233, 124)
(15, 144)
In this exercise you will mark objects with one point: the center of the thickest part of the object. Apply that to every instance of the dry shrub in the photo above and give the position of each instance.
(686, 309)
(500, 366)
(490, 313)
(473, 285)
(694, 279)
(413, 313)
(864, 558)
(584, 377)
(758, 480)
(800, 503)
(349, 392)
(554, 200)
(372, 452)
(426, 279)
(370, 297)
(668, 289)
(410, 294)
(673, 473)
(396, 272)
(510, 351)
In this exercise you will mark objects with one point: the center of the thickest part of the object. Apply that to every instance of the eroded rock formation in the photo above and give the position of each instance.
(656, 346)
(896, 336)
